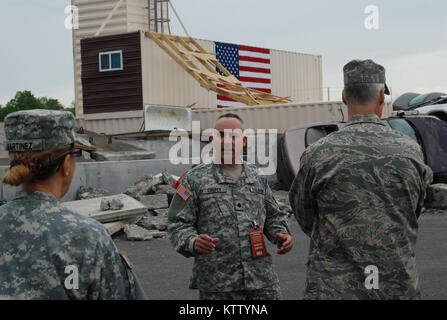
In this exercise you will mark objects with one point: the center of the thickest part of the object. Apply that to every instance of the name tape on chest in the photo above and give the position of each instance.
(212, 190)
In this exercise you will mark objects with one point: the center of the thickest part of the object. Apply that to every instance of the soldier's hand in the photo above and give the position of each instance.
(286, 241)
(205, 244)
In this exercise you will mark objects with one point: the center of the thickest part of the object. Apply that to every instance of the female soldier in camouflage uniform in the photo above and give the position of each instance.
(47, 251)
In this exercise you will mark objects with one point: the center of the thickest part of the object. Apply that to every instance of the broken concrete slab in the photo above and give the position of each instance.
(116, 204)
(437, 197)
(147, 185)
(136, 233)
(168, 190)
(120, 156)
(168, 179)
(132, 192)
(114, 227)
(150, 222)
(105, 205)
(111, 204)
(91, 208)
(157, 201)
(91, 193)
(160, 212)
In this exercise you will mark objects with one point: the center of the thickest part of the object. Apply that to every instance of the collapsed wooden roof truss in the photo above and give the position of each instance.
(203, 66)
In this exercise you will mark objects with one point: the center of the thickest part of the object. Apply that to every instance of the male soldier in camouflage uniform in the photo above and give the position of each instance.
(212, 214)
(358, 196)
(47, 251)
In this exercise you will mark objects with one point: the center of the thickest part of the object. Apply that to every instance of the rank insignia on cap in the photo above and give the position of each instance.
(184, 193)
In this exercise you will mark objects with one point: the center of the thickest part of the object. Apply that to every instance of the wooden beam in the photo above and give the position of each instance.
(188, 63)
(180, 62)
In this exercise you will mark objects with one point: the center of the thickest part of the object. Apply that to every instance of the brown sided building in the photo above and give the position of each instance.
(112, 73)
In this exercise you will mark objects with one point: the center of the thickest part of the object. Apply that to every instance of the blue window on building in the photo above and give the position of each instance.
(111, 61)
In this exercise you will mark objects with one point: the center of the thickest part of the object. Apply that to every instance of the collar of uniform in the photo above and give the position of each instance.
(365, 118)
(247, 174)
(35, 195)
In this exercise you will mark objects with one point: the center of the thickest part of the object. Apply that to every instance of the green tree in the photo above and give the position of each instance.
(51, 104)
(25, 100)
(73, 108)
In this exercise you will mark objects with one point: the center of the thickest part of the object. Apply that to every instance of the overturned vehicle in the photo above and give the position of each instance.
(430, 132)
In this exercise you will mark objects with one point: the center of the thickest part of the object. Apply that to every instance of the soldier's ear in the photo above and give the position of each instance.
(382, 96)
(67, 165)
(343, 97)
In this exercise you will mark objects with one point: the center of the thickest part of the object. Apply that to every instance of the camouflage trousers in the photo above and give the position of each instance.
(261, 294)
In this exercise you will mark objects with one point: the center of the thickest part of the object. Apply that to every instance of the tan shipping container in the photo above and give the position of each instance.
(278, 117)
(294, 75)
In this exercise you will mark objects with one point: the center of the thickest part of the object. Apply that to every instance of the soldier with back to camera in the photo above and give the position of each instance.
(358, 196)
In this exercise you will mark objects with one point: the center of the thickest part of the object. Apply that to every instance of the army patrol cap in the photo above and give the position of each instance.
(364, 71)
(39, 130)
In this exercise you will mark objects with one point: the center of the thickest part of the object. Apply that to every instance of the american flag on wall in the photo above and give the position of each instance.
(249, 64)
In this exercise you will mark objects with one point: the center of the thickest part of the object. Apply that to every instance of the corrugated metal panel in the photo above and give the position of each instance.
(278, 117)
(137, 15)
(113, 91)
(297, 75)
(92, 14)
(111, 126)
(281, 117)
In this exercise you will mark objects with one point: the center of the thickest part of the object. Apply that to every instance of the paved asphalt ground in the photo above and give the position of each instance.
(165, 274)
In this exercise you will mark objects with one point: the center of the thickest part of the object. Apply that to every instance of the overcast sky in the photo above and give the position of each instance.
(411, 42)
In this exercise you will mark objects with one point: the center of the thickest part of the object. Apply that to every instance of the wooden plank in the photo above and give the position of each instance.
(174, 48)
(203, 57)
(181, 63)
(217, 63)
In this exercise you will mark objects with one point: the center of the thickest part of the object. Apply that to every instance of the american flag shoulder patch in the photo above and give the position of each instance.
(184, 193)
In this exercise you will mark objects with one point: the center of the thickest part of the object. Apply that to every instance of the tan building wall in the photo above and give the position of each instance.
(166, 83)
(297, 75)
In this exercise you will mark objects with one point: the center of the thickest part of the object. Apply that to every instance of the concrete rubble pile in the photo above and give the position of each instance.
(85, 193)
(155, 193)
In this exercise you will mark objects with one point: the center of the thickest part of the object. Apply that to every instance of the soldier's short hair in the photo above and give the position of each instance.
(231, 115)
(362, 94)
